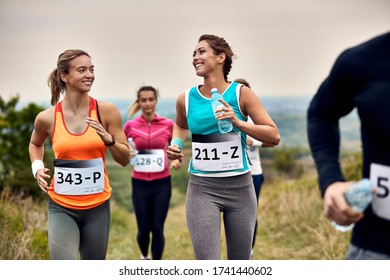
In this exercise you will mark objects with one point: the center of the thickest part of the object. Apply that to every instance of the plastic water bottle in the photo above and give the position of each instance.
(133, 160)
(359, 195)
(225, 125)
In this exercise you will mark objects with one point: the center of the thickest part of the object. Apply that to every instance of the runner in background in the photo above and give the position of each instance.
(151, 177)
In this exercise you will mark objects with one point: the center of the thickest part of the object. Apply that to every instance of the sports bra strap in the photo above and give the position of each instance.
(98, 113)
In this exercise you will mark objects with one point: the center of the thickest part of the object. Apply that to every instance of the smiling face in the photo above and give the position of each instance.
(81, 74)
(205, 60)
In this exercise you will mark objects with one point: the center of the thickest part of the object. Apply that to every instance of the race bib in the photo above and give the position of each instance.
(150, 161)
(78, 177)
(380, 178)
(253, 153)
(217, 152)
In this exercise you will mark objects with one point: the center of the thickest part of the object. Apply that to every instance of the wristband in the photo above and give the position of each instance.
(113, 141)
(177, 142)
(36, 165)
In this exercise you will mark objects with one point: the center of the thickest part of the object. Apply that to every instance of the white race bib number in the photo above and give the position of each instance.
(150, 161)
(217, 152)
(78, 177)
(380, 178)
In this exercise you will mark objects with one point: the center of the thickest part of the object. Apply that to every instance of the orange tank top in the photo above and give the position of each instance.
(87, 146)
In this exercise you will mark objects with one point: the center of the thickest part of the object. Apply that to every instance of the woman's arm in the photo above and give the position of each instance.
(263, 127)
(42, 129)
(180, 129)
(112, 122)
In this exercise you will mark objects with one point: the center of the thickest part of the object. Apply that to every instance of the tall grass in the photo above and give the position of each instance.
(291, 223)
(23, 229)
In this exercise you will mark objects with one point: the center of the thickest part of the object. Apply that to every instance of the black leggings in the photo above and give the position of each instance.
(78, 231)
(151, 202)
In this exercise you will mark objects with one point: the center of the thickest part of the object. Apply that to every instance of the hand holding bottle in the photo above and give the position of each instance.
(224, 125)
(133, 151)
(345, 202)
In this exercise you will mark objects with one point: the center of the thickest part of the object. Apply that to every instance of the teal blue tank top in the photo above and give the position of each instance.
(215, 154)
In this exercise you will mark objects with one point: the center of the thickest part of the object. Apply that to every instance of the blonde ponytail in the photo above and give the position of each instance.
(133, 109)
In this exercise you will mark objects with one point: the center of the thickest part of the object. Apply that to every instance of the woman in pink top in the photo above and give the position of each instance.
(151, 177)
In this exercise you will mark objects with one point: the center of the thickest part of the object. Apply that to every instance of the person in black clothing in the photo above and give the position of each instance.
(360, 78)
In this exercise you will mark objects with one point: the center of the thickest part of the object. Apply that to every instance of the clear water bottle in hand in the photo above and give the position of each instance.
(225, 125)
(359, 195)
(133, 151)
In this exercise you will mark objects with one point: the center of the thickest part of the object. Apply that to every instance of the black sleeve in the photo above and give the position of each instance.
(333, 100)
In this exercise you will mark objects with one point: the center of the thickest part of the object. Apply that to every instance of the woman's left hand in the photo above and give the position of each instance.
(100, 130)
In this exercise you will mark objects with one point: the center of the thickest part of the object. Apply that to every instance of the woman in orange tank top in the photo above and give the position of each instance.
(81, 130)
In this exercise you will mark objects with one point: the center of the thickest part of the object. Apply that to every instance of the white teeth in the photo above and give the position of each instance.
(198, 65)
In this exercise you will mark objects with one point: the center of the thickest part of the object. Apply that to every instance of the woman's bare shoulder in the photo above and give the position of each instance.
(44, 120)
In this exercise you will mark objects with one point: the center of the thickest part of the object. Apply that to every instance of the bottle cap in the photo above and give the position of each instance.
(214, 89)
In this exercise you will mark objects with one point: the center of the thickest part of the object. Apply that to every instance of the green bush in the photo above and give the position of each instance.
(286, 162)
(15, 133)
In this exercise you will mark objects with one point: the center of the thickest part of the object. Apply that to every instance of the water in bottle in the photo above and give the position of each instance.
(133, 150)
(359, 195)
(225, 125)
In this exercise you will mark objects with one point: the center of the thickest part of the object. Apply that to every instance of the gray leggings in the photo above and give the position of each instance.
(207, 198)
(72, 231)
(357, 253)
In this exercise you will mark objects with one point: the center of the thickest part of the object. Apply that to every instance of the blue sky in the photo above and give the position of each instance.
(283, 48)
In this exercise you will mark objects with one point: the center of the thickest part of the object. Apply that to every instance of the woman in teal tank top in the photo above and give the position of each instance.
(220, 181)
